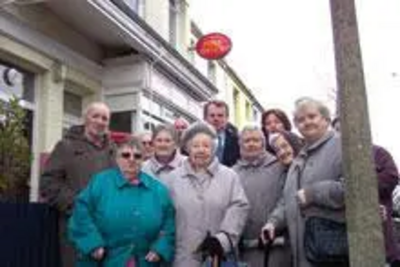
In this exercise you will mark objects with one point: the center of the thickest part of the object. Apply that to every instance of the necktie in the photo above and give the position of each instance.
(220, 148)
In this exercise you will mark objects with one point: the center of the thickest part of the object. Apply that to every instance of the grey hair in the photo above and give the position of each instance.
(132, 142)
(252, 128)
(199, 128)
(143, 134)
(94, 105)
(169, 128)
(308, 101)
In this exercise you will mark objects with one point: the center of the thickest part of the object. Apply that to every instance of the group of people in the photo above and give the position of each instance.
(185, 194)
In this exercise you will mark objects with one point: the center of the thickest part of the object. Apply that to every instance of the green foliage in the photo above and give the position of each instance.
(14, 149)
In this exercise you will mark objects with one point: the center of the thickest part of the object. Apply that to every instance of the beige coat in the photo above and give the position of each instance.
(214, 202)
(160, 171)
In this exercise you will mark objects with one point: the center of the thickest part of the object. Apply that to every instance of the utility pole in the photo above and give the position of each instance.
(364, 225)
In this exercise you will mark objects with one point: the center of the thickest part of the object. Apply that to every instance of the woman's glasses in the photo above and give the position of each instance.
(147, 143)
(129, 155)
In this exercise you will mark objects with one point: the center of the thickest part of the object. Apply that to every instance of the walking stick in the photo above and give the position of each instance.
(267, 248)
(215, 261)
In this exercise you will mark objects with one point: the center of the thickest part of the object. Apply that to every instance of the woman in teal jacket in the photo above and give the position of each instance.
(124, 217)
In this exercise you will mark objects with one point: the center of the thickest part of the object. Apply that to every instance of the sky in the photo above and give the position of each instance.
(283, 50)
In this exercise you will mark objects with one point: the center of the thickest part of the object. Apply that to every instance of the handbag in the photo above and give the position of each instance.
(325, 241)
(231, 258)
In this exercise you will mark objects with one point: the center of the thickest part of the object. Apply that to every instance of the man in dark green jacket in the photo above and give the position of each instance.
(84, 151)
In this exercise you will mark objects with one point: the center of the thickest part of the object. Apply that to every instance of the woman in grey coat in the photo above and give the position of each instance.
(262, 177)
(314, 185)
(210, 202)
(166, 156)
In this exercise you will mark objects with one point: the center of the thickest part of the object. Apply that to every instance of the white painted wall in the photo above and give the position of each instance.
(118, 74)
(164, 87)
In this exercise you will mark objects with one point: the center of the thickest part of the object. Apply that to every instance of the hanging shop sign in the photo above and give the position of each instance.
(213, 46)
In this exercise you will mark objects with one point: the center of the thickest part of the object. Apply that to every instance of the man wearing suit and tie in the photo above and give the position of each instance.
(216, 113)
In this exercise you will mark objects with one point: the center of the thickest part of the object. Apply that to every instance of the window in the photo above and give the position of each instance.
(121, 121)
(256, 115)
(148, 126)
(236, 104)
(211, 69)
(20, 83)
(173, 22)
(149, 121)
(141, 8)
(138, 6)
(17, 82)
(249, 113)
(192, 51)
(133, 4)
(73, 104)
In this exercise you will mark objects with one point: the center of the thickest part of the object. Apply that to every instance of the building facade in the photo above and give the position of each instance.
(131, 54)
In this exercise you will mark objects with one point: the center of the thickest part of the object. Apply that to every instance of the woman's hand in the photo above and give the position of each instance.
(301, 197)
(98, 254)
(267, 233)
(152, 257)
(212, 247)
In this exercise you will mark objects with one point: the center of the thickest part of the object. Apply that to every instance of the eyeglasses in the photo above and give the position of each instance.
(129, 155)
(146, 143)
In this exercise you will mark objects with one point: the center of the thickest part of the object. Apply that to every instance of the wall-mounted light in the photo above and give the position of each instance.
(12, 77)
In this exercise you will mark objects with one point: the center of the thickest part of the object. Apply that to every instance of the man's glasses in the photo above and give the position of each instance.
(129, 155)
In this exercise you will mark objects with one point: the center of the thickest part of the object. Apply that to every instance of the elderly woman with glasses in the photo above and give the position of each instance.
(147, 143)
(166, 156)
(124, 217)
(211, 206)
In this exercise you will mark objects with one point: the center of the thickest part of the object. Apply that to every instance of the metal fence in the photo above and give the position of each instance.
(28, 235)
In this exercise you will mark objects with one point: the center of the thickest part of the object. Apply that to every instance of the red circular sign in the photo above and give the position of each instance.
(213, 46)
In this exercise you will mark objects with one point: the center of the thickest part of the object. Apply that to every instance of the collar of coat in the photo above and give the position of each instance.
(211, 169)
(121, 181)
(77, 132)
(325, 138)
(299, 161)
(230, 130)
(265, 159)
(157, 167)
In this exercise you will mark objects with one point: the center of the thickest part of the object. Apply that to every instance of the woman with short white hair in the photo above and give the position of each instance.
(211, 206)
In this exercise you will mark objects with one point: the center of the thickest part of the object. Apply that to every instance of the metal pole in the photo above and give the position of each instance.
(364, 224)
